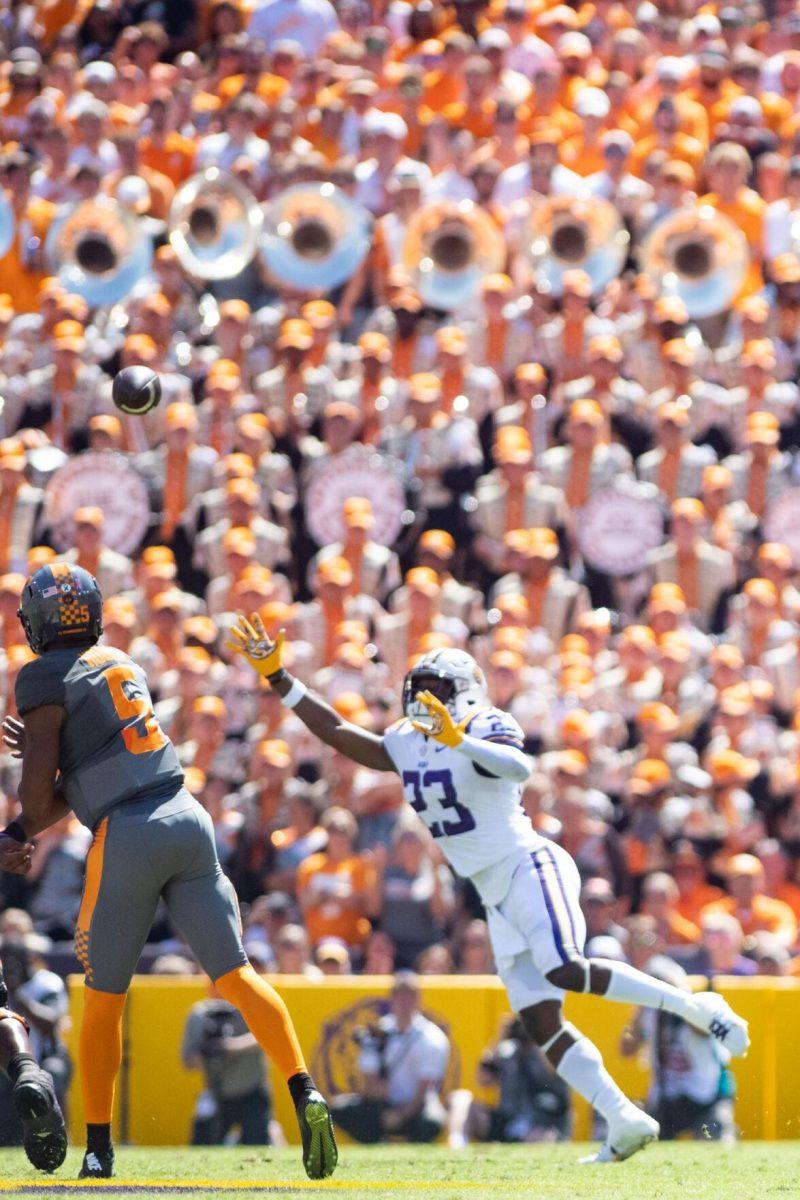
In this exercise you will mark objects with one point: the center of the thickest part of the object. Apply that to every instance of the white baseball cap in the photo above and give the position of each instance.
(387, 123)
(673, 68)
(494, 39)
(99, 72)
(591, 102)
(746, 108)
(573, 44)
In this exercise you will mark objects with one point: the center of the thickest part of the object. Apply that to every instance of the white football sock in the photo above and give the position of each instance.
(582, 1068)
(629, 986)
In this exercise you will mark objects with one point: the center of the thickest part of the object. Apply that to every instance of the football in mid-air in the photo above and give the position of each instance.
(136, 390)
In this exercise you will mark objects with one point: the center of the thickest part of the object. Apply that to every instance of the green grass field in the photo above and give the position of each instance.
(754, 1171)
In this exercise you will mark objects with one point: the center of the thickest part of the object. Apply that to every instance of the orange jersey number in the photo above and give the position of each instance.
(133, 706)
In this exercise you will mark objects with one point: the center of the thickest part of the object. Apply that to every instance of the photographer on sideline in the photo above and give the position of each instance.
(216, 1040)
(532, 1105)
(691, 1089)
(403, 1061)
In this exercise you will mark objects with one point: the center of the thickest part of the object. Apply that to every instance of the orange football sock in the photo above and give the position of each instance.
(100, 1053)
(267, 1017)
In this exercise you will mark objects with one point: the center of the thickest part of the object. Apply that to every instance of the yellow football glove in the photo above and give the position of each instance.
(442, 728)
(253, 643)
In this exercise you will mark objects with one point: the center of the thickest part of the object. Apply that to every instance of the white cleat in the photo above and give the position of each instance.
(713, 1015)
(631, 1131)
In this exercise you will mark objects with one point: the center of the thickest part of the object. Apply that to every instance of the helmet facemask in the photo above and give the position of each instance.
(458, 691)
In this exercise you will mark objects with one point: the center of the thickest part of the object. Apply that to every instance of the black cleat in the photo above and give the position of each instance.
(320, 1154)
(97, 1166)
(36, 1105)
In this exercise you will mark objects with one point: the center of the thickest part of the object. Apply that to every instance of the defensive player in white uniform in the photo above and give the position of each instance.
(462, 765)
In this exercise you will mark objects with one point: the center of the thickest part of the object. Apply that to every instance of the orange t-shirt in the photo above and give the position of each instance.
(692, 905)
(772, 916)
(746, 211)
(723, 96)
(682, 932)
(23, 284)
(478, 121)
(440, 89)
(53, 15)
(583, 159)
(322, 142)
(686, 149)
(175, 158)
(694, 120)
(789, 893)
(331, 914)
(533, 119)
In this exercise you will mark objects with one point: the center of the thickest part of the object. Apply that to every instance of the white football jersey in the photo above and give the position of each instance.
(477, 820)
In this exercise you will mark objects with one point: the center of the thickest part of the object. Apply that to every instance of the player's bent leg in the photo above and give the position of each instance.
(203, 905)
(706, 1011)
(268, 1019)
(579, 1063)
(33, 1095)
(538, 933)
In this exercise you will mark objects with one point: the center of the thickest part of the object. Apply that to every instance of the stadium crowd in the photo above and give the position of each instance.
(660, 703)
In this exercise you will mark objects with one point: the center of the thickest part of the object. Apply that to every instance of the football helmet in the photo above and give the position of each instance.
(61, 606)
(453, 676)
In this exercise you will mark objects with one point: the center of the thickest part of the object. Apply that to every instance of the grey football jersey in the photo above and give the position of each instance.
(112, 748)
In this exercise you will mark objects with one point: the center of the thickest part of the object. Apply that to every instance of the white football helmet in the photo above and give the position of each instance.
(453, 676)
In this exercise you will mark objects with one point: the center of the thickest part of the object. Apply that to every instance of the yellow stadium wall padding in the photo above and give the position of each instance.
(155, 1095)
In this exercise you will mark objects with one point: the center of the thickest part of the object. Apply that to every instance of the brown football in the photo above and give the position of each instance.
(136, 390)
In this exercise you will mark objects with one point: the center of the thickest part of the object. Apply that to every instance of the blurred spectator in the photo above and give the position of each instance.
(659, 901)
(217, 1041)
(598, 903)
(691, 1090)
(532, 1106)
(417, 895)
(402, 1060)
(337, 890)
(754, 910)
(332, 957)
(720, 948)
(293, 953)
(474, 950)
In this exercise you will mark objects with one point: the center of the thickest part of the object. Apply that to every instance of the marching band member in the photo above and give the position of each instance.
(375, 568)
(512, 497)
(555, 602)
(675, 465)
(704, 572)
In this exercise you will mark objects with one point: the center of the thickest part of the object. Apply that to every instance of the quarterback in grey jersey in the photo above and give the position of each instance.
(91, 744)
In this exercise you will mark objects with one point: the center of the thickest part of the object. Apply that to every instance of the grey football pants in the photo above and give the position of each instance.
(142, 852)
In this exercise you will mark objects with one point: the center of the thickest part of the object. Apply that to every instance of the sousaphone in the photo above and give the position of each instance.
(450, 247)
(214, 225)
(700, 256)
(567, 233)
(314, 236)
(99, 250)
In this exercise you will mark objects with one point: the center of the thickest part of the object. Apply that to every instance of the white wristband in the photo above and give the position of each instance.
(295, 694)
